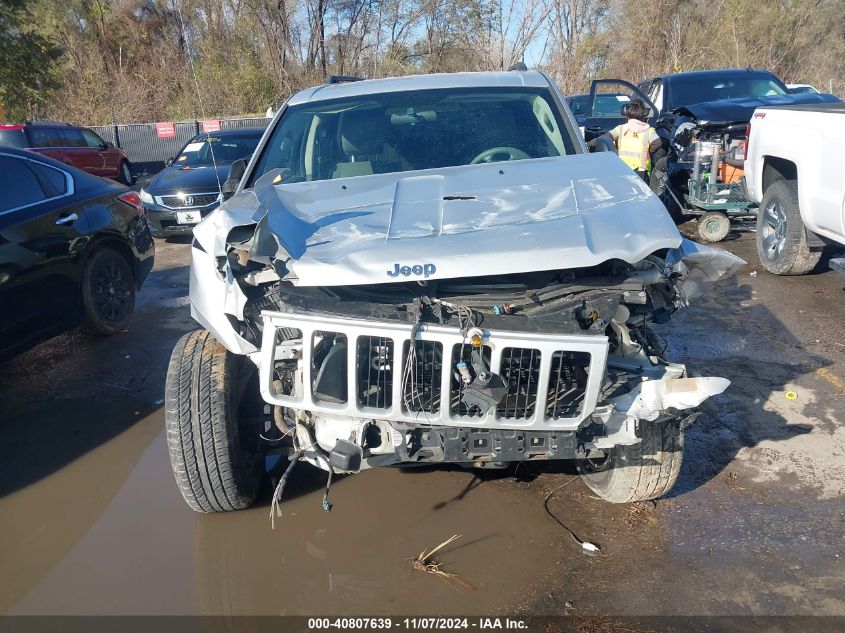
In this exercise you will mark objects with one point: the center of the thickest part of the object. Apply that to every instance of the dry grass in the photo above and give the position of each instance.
(732, 481)
(425, 562)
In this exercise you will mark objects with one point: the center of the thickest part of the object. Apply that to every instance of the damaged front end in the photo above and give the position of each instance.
(526, 358)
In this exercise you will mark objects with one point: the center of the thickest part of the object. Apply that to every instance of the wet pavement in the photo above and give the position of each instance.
(92, 521)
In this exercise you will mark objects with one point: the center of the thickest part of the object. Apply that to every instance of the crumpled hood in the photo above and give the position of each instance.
(726, 111)
(521, 216)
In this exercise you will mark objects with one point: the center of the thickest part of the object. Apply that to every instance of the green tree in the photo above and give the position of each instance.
(28, 75)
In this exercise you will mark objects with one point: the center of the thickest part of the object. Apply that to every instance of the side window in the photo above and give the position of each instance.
(608, 105)
(18, 183)
(54, 179)
(72, 138)
(91, 139)
(44, 137)
(611, 95)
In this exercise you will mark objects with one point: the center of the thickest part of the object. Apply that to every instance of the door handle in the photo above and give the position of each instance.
(67, 219)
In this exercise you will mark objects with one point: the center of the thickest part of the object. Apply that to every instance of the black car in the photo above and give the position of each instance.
(189, 187)
(74, 249)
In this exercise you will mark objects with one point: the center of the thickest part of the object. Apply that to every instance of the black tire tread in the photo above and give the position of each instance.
(200, 416)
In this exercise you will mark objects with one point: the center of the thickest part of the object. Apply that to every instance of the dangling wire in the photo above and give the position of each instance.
(280, 488)
(590, 548)
(199, 97)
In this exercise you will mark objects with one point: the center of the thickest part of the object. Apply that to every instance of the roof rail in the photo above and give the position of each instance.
(342, 79)
(45, 122)
(519, 66)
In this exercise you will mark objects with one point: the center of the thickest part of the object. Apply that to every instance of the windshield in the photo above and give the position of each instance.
(687, 91)
(405, 131)
(226, 149)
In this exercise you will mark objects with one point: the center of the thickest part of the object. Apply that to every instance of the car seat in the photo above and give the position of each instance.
(365, 140)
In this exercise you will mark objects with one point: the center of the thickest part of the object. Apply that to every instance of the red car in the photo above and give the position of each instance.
(76, 146)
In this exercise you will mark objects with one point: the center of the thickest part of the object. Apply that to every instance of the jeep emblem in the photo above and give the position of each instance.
(417, 269)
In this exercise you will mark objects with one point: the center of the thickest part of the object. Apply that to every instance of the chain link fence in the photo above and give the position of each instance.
(148, 153)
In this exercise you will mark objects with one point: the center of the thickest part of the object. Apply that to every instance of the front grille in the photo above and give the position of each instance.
(520, 370)
(567, 382)
(549, 381)
(189, 200)
(375, 372)
(463, 354)
(421, 372)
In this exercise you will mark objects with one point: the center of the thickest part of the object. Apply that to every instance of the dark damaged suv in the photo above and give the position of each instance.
(429, 270)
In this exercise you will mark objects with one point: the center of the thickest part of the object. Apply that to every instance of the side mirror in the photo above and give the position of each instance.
(169, 162)
(108, 145)
(236, 172)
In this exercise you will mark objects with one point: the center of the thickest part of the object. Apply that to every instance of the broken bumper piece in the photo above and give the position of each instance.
(398, 396)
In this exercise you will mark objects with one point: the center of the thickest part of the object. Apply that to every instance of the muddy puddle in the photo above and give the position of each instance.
(106, 532)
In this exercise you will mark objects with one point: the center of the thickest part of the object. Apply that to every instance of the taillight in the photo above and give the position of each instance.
(133, 199)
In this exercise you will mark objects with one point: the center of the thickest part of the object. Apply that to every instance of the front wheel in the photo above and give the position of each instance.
(781, 237)
(640, 472)
(216, 460)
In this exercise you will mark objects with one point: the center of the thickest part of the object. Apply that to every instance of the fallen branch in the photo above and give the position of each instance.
(425, 562)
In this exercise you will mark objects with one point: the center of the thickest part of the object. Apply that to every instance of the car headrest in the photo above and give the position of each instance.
(363, 132)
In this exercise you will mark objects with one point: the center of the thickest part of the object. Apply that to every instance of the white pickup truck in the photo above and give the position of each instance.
(795, 171)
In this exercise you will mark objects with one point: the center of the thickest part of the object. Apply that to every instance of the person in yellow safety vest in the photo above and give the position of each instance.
(634, 138)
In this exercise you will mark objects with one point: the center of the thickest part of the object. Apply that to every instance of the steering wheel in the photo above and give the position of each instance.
(496, 154)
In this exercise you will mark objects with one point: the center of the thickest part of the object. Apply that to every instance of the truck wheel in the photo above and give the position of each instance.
(713, 227)
(108, 293)
(640, 472)
(781, 237)
(217, 467)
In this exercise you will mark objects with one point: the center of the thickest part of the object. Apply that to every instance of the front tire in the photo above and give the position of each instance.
(781, 236)
(640, 472)
(215, 468)
(108, 293)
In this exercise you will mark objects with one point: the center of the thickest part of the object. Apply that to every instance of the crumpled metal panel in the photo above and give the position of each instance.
(520, 216)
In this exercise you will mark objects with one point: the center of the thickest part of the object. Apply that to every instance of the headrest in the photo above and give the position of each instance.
(363, 132)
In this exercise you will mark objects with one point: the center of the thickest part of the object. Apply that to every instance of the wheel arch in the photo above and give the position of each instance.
(776, 168)
(116, 243)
